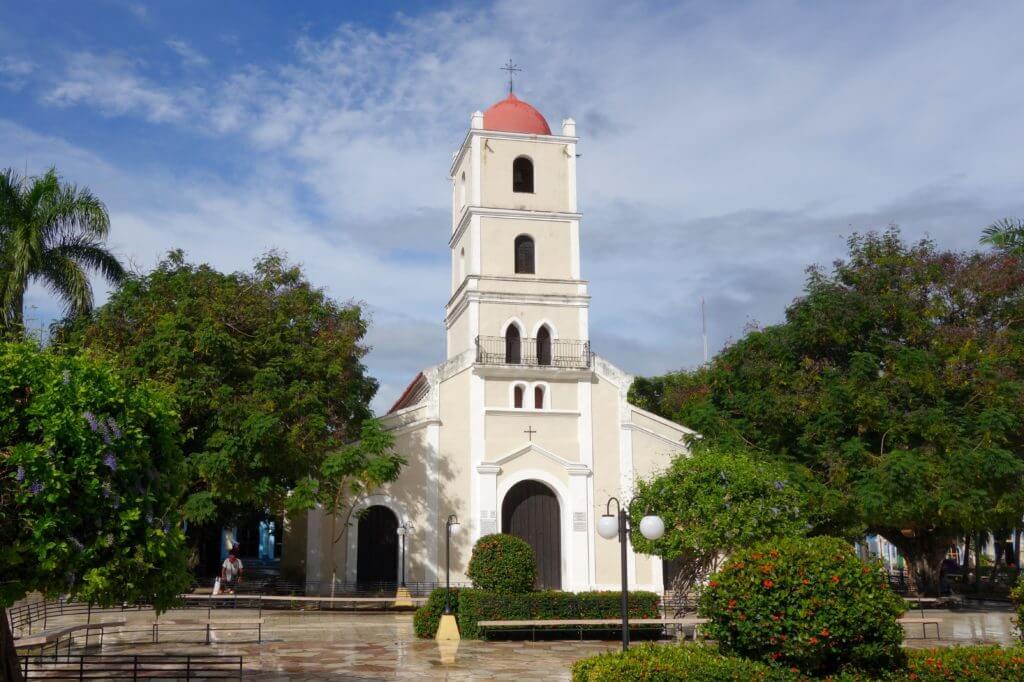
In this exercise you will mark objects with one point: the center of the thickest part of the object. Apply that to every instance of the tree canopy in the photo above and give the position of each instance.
(54, 233)
(895, 384)
(266, 368)
(91, 479)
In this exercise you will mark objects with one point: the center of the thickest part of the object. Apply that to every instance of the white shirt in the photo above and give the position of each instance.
(231, 569)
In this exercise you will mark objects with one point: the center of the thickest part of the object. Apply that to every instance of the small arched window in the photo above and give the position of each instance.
(513, 346)
(538, 397)
(517, 397)
(462, 265)
(524, 255)
(543, 346)
(462, 190)
(522, 175)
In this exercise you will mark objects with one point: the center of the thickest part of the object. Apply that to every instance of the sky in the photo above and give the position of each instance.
(726, 146)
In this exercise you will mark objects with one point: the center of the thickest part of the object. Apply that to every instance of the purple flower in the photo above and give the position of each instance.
(20, 475)
(36, 487)
(779, 485)
(110, 461)
(167, 526)
(114, 429)
(94, 424)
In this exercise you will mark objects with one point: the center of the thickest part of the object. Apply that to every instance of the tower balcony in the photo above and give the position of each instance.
(527, 352)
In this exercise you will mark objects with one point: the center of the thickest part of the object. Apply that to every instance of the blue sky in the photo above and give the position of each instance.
(726, 146)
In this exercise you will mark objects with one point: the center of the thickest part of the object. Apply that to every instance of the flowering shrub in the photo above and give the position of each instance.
(91, 478)
(428, 617)
(502, 563)
(1017, 595)
(804, 603)
(965, 663)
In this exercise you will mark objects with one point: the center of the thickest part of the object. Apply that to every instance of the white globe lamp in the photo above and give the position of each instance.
(652, 527)
(608, 526)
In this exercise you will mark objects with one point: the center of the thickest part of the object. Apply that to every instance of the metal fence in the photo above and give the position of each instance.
(565, 353)
(132, 667)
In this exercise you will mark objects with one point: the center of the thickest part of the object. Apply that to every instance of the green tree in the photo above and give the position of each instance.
(53, 233)
(91, 479)
(714, 502)
(267, 370)
(895, 383)
(348, 474)
(1006, 235)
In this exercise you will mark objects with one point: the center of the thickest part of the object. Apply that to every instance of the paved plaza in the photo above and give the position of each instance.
(382, 646)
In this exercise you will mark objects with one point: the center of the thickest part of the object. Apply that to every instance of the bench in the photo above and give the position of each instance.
(206, 626)
(923, 622)
(55, 635)
(594, 623)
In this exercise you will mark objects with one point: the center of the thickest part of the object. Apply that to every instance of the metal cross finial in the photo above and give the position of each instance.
(529, 431)
(512, 70)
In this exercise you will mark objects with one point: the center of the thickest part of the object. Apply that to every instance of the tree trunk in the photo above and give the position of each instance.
(924, 554)
(9, 670)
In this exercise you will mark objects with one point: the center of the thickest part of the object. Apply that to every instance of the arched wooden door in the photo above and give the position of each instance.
(530, 511)
(377, 551)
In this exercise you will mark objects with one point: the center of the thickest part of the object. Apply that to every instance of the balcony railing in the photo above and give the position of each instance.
(565, 353)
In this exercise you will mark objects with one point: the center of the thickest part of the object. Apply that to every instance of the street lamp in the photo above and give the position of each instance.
(403, 530)
(608, 526)
(451, 526)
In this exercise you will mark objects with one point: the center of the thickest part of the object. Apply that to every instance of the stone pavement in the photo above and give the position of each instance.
(382, 646)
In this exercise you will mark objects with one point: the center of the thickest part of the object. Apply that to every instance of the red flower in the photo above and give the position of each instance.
(805, 581)
(813, 640)
(712, 584)
(774, 554)
(732, 604)
(768, 584)
(776, 655)
(824, 632)
(835, 578)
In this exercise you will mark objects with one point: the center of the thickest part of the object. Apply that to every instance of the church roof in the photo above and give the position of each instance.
(513, 115)
(413, 394)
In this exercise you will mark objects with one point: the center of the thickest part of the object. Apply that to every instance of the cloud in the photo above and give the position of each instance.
(14, 72)
(725, 147)
(189, 55)
(112, 85)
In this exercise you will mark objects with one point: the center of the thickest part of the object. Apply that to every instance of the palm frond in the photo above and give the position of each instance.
(67, 280)
(90, 254)
(73, 210)
(1006, 234)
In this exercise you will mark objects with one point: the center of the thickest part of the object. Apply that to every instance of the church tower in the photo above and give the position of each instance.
(516, 287)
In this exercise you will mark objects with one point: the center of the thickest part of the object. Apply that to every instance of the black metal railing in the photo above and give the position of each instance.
(565, 353)
(132, 667)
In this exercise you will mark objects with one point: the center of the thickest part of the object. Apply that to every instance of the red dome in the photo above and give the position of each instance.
(513, 115)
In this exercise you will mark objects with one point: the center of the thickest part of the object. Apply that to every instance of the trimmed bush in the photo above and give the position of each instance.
(477, 605)
(665, 663)
(428, 617)
(806, 603)
(502, 563)
(1017, 595)
(669, 662)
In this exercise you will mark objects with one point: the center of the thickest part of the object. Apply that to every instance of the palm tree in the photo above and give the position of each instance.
(51, 232)
(1006, 235)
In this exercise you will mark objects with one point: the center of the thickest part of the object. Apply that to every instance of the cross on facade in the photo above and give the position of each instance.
(512, 70)
(529, 432)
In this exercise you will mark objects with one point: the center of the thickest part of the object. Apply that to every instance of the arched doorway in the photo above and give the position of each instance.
(530, 511)
(377, 551)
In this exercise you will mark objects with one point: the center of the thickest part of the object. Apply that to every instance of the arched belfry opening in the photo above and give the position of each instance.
(544, 345)
(530, 511)
(524, 255)
(377, 550)
(513, 346)
(522, 175)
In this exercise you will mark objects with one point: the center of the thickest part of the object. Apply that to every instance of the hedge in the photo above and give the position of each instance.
(670, 662)
(477, 605)
(806, 603)
(428, 617)
(502, 563)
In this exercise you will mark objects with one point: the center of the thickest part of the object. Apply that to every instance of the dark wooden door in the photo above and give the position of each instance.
(377, 553)
(530, 511)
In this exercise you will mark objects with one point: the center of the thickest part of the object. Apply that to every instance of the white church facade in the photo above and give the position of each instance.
(522, 429)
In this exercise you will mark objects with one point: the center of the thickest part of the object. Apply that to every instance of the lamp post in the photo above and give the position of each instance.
(403, 530)
(652, 528)
(450, 526)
